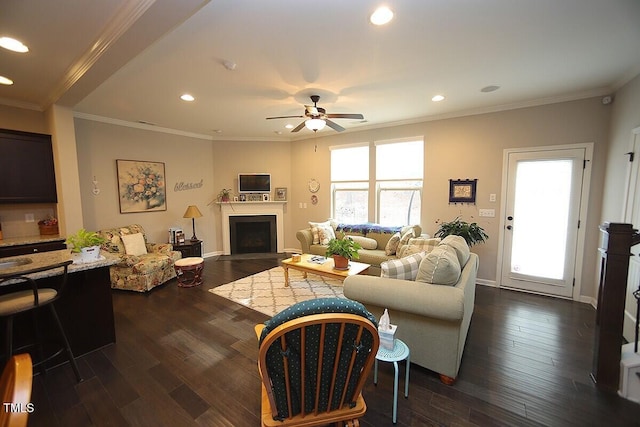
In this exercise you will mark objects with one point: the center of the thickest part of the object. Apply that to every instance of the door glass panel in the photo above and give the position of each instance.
(540, 218)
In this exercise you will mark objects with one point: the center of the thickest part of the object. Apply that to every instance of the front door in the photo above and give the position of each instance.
(543, 195)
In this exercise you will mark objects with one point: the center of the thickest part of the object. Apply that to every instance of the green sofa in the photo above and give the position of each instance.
(372, 232)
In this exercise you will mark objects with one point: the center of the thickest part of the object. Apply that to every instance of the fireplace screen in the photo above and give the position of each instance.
(253, 234)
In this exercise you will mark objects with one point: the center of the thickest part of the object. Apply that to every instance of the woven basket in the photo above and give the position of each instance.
(46, 230)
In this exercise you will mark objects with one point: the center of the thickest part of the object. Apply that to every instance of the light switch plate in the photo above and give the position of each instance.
(487, 212)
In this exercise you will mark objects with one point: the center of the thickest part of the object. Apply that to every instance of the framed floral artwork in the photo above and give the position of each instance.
(141, 186)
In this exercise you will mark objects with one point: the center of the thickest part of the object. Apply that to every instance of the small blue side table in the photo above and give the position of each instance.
(400, 352)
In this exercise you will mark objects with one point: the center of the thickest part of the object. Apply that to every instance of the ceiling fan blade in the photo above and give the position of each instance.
(345, 116)
(334, 126)
(297, 128)
(286, 117)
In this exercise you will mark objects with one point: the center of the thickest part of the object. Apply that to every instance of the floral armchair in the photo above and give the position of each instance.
(142, 265)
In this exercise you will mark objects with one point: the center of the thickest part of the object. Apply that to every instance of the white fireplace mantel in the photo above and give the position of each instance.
(229, 209)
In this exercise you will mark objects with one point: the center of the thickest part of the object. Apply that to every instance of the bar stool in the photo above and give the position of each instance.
(33, 299)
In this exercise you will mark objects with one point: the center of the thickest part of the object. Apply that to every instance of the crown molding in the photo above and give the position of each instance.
(126, 16)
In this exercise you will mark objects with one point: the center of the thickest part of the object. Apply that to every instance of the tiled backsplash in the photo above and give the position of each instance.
(14, 218)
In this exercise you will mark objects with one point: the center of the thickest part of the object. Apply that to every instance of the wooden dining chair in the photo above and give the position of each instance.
(15, 386)
(314, 358)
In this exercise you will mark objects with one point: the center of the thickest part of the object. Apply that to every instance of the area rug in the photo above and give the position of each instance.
(265, 292)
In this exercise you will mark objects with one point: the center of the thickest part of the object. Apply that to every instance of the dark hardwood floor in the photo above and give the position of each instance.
(186, 357)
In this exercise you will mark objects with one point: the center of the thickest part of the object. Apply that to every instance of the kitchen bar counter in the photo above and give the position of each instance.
(29, 240)
(85, 307)
(33, 264)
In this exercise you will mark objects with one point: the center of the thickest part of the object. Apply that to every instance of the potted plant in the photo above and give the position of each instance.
(342, 250)
(224, 195)
(87, 243)
(471, 232)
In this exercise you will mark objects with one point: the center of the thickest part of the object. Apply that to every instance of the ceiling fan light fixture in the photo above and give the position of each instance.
(315, 124)
(382, 15)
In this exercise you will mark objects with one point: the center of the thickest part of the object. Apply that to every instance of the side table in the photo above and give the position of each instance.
(189, 248)
(400, 352)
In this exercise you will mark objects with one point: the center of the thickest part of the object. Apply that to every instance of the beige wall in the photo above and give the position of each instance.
(470, 147)
(625, 117)
(187, 159)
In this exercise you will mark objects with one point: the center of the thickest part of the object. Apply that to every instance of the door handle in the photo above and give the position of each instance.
(509, 227)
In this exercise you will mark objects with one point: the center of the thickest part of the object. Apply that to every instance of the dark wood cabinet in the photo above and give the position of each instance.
(32, 248)
(189, 248)
(27, 173)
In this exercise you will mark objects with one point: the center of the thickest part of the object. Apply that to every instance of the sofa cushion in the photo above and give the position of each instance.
(151, 263)
(440, 267)
(404, 240)
(404, 268)
(365, 242)
(392, 245)
(134, 244)
(419, 244)
(460, 246)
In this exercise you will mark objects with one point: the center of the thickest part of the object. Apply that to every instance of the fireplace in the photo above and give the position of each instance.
(253, 234)
(230, 210)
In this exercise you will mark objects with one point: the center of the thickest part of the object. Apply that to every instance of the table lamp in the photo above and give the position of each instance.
(193, 212)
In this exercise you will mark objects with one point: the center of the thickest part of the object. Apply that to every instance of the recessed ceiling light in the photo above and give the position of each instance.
(437, 98)
(289, 126)
(491, 88)
(13, 45)
(5, 81)
(381, 16)
(187, 97)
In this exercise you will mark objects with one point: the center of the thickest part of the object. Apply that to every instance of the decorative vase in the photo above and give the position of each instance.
(90, 254)
(340, 262)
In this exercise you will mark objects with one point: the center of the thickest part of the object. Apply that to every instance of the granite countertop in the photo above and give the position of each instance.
(48, 264)
(28, 240)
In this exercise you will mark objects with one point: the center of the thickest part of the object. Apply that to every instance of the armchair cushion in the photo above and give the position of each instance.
(134, 244)
(392, 244)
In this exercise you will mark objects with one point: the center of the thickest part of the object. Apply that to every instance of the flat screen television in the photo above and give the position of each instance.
(254, 183)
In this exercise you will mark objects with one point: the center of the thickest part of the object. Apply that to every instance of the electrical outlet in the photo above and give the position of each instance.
(487, 212)
(29, 217)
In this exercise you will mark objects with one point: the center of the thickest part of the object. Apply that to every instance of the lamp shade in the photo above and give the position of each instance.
(315, 124)
(192, 212)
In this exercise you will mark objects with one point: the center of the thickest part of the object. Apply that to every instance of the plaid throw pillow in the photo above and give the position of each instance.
(403, 268)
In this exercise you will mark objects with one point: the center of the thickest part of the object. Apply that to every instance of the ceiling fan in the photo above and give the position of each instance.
(317, 117)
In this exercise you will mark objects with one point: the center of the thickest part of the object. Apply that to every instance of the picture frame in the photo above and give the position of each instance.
(462, 190)
(141, 186)
(281, 194)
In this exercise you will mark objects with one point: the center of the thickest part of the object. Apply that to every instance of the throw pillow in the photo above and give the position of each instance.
(440, 267)
(392, 244)
(134, 244)
(404, 240)
(315, 231)
(404, 268)
(365, 242)
(325, 233)
(460, 246)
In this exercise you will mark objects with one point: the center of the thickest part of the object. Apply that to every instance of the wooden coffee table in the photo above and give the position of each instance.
(325, 269)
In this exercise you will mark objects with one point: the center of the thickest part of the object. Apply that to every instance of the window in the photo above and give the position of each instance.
(350, 183)
(399, 169)
(399, 177)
